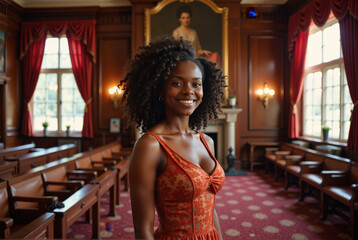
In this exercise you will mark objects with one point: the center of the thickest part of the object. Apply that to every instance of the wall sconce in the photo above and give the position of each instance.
(114, 93)
(265, 94)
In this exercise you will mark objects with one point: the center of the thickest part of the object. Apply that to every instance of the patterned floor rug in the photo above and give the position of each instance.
(249, 207)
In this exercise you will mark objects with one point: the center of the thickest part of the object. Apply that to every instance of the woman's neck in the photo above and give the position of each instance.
(177, 126)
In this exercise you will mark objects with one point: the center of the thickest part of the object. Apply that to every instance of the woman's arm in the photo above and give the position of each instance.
(217, 224)
(142, 175)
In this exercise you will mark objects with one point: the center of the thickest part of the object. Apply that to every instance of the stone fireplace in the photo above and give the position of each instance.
(224, 130)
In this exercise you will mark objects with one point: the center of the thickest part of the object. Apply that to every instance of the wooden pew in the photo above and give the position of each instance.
(311, 174)
(2, 146)
(74, 207)
(294, 170)
(342, 188)
(31, 160)
(107, 182)
(121, 164)
(58, 152)
(57, 181)
(16, 151)
(39, 228)
(272, 154)
(8, 170)
(30, 188)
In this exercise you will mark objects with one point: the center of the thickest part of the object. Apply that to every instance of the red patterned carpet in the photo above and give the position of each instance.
(249, 207)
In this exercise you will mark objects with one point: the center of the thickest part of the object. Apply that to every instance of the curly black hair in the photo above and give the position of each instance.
(149, 69)
(184, 8)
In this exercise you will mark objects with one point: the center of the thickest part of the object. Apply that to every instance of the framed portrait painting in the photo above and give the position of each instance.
(115, 125)
(208, 21)
(2, 51)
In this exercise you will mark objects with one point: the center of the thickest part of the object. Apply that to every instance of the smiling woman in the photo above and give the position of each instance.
(170, 95)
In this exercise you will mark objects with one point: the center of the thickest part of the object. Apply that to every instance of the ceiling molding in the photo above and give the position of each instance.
(71, 3)
(269, 2)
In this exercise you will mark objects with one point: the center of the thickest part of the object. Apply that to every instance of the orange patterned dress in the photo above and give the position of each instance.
(185, 197)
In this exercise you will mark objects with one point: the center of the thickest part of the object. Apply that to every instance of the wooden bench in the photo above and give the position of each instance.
(342, 188)
(8, 170)
(58, 152)
(272, 154)
(76, 206)
(118, 162)
(27, 193)
(293, 170)
(31, 160)
(57, 181)
(40, 228)
(311, 174)
(16, 151)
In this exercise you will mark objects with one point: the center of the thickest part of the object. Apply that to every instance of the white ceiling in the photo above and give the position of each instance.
(107, 3)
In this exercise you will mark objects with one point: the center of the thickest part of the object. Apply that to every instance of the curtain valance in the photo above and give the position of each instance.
(80, 30)
(318, 11)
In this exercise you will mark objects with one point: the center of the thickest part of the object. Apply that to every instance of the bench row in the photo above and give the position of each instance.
(70, 181)
(334, 178)
(26, 157)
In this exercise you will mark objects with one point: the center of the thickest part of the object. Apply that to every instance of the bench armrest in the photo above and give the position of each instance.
(6, 223)
(84, 175)
(105, 163)
(311, 167)
(40, 200)
(74, 184)
(292, 159)
(337, 178)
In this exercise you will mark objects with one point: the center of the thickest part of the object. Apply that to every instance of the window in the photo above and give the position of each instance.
(56, 98)
(326, 98)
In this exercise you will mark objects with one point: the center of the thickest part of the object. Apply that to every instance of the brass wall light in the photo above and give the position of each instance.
(114, 93)
(265, 94)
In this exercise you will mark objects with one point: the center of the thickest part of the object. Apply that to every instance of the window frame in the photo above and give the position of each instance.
(59, 72)
(323, 67)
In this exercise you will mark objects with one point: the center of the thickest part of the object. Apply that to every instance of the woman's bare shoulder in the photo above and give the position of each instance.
(207, 138)
(146, 142)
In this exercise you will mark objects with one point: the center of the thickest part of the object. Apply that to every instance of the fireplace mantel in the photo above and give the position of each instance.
(225, 130)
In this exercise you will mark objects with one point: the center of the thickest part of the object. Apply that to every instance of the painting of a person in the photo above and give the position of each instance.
(170, 95)
(184, 14)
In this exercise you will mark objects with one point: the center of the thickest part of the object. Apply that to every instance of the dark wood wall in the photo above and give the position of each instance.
(264, 59)
(257, 54)
(10, 18)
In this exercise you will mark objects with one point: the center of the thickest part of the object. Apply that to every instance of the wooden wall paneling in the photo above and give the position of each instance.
(265, 65)
(10, 24)
(138, 22)
(114, 55)
(114, 51)
(263, 58)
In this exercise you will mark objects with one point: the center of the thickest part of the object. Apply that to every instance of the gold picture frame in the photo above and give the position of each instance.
(209, 21)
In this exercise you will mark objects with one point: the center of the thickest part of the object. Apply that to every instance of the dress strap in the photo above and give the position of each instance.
(161, 142)
(206, 144)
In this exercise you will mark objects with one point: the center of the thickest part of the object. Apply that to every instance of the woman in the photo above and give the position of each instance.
(184, 15)
(169, 94)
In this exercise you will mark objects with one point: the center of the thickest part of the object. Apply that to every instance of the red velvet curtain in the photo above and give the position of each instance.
(318, 10)
(349, 39)
(81, 31)
(82, 69)
(297, 69)
(32, 67)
